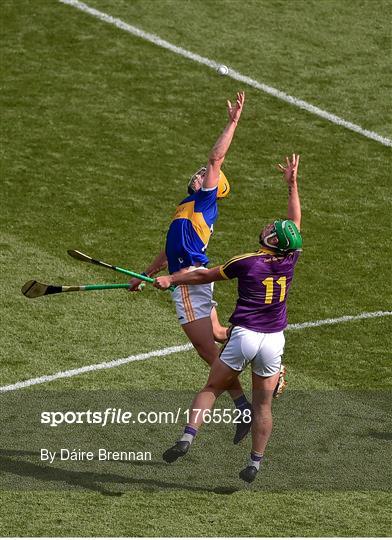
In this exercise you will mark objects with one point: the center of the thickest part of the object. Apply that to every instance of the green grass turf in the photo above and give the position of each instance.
(331, 53)
(100, 132)
(204, 514)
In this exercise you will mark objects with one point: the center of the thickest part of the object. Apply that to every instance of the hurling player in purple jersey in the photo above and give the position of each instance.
(256, 336)
(186, 244)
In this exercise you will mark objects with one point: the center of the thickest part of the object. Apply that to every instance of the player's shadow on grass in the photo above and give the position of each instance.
(91, 481)
(383, 435)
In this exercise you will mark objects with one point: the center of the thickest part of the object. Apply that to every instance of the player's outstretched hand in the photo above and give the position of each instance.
(135, 285)
(234, 111)
(162, 282)
(290, 169)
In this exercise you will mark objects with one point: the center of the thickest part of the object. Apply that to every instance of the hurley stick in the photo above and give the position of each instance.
(34, 289)
(76, 254)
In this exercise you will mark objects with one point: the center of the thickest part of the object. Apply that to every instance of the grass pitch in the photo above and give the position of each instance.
(100, 131)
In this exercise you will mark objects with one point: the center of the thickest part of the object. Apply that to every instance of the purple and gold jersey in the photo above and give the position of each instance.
(189, 232)
(264, 279)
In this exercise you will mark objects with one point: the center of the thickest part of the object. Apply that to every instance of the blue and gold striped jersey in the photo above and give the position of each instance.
(190, 230)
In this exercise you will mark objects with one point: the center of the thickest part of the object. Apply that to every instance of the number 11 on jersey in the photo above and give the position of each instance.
(269, 288)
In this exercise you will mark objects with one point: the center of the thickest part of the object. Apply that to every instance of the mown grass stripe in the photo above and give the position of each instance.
(153, 38)
(170, 350)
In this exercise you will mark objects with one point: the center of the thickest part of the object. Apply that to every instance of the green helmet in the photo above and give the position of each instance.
(289, 237)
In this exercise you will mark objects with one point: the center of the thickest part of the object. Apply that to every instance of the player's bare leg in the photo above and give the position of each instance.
(262, 394)
(200, 333)
(221, 378)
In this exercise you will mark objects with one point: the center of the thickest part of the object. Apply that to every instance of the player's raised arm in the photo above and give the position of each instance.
(218, 152)
(290, 172)
(196, 277)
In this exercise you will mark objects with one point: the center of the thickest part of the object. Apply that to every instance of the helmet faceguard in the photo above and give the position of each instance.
(194, 177)
(287, 234)
(223, 183)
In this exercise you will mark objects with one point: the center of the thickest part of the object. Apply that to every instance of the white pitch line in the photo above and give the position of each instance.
(345, 318)
(169, 350)
(153, 38)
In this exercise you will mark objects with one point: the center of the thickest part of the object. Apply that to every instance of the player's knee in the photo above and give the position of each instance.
(214, 387)
(208, 353)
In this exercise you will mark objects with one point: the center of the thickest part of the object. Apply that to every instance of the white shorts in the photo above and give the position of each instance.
(263, 351)
(193, 301)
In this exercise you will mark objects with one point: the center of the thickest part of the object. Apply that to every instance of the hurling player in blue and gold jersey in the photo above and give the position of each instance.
(186, 244)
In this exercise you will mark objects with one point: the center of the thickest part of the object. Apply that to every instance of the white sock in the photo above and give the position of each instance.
(189, 434)
(255, 460)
